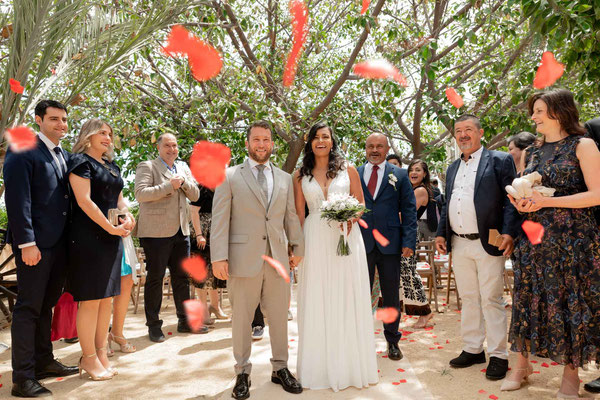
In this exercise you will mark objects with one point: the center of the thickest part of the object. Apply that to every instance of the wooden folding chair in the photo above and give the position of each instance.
(141, 274)
(449, 286)
(426, 268)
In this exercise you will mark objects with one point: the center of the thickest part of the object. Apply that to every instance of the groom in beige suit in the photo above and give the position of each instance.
(254, 215)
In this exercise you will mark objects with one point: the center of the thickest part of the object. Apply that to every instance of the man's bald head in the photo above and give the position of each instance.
(377, 147)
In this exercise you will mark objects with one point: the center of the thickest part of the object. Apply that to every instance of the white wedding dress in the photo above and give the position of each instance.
(335, 322)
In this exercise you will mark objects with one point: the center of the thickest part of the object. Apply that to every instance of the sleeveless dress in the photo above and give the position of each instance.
(335, 324)
(556, 306)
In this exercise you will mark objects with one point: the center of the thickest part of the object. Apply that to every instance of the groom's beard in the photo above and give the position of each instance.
(260, 157)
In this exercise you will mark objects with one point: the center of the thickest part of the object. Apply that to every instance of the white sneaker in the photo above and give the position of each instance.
(258, 332)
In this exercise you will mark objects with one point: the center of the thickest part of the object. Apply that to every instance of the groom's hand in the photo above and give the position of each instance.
(406, 252)
(221, 269)
(295, 261)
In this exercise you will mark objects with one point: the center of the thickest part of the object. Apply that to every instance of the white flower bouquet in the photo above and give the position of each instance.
(341, 207)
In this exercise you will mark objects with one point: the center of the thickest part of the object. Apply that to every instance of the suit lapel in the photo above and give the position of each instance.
(361, 172)
(248, 176)
(44, 149)
(483, 163)
(452, 170)
(384, 183)
(162, 168)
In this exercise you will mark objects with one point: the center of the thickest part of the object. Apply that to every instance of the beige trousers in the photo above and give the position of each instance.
(273, 293)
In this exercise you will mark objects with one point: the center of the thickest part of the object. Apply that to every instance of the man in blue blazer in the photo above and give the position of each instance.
(477, 209)
(387, 192)
(37, 203)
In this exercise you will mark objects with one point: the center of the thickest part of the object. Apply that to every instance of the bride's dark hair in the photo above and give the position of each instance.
(336, 161)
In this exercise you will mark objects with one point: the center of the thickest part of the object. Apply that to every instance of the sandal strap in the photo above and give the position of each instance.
(91, 355)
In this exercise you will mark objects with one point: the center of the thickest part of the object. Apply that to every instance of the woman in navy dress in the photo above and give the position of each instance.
(95, 245)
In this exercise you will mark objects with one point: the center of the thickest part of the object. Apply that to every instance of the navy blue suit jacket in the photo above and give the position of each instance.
(383, 214)
(36, 196)
(492, 207)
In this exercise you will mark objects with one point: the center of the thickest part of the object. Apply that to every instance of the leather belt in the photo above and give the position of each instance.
(470, 236)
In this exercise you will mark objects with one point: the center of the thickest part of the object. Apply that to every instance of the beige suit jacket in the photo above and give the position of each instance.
(163, 210)
(243, 224)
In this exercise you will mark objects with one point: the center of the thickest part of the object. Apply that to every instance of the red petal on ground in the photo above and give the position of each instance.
(362, 223)
(21, 138)
(534, 231)
(533, 362)
(536, 372)
(380, 238)
(432, 348)
(548, 72)
(208, 163)
(169, 333)
(483, 370)
(15, 86)
(447, 341)
(299, 13)
(379, 69)
(554, 363)
(365, 6)
(195, 311)
(281, 270)
(195, 266)
(395, 383)
(482, 391)
(412, 340)
(493, 397)
(545, 365)
(406, 333)
(387, 315)
(402, 380)
(400, 370)
(384, 356)
(440, 347)
(454, 98)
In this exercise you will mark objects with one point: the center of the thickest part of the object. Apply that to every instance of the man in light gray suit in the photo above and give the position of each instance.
(254, 215)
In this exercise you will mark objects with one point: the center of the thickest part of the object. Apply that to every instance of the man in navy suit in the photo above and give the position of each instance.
(37, 203)
(387, 192)
(476, 203)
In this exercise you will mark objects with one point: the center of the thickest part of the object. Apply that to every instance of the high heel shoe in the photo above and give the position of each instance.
(422, 325)
(508, 385)
(109, 368)
(126, 347)
(104, 376)
(219, 314)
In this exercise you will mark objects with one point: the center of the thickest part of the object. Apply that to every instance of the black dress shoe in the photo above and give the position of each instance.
(496, 369)
(467, 359)
(241, 390)
(55, 369)
(285, 378)
(183, 327)
(72, 340)
(156, 335)
(29, 388)
(593, 386)
(394, 352)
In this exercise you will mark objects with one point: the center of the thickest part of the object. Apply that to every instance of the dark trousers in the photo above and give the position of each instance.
(160, 254)
(40, 287)
(388, 266)
(259, 319)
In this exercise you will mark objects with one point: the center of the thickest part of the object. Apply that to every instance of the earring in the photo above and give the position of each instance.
(88, 145)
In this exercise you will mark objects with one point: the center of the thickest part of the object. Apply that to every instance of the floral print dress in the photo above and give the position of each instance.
(556, 306)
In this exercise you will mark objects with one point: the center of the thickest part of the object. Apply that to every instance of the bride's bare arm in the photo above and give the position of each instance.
(299, 197)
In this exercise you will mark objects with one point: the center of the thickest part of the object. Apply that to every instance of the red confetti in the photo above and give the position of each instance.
(379, 69)
(281, 270)
(195, 311)
(387, 315)
(195, 266)
(483, 370)
(380, 238)
(169, 333)
(545, 365)
(432, 348)
(21, 138)
(299, 14)
(59, 379)
(400, 370)
(406, 333)
(533, 362)
(412, 340)
(384, 356)
(292, 340)
(15, 86)
(395, 383)
(447, 341)
(534, 231)
(493, 397)
(204, 60)
(536, 372)
(554, 363)
(548, 72)
(208, 163)
(365, 6)
(454, 98)
(482, 391)
(440, 347)
(362, 223)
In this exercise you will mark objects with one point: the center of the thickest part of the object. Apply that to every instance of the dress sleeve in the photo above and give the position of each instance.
(80, 166)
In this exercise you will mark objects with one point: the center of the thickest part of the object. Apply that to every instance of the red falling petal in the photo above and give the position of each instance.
(454, 98)
(482, 391)
(15, 86)
(548, 72)
(195, 310)
(379, 69)
(380, 238)
(534, 231)
(365, 6)
(195, 266)
(281, 270)
(362, 223)
(299, 14)
(493, 397)
(387, 315)
(21, 138)
(208, 163)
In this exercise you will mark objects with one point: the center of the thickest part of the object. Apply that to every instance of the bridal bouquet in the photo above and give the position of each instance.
(341, 208)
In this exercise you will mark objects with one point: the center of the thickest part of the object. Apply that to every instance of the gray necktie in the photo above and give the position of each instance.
(262, 181)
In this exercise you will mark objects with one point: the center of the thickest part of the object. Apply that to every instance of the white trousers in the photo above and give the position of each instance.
(480, 281)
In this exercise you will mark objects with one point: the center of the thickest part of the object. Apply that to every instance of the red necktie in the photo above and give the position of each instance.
(373, 181)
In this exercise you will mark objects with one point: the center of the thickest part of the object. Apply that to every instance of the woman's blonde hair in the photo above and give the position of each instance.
(90, 128)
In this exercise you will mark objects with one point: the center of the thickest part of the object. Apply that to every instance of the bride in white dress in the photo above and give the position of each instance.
(335, 322)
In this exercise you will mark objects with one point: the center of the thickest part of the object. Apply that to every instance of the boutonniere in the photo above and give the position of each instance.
(392, 180)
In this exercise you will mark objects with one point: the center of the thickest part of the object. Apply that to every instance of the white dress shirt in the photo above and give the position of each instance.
(461, 210)
(268, 171)
(369, 171)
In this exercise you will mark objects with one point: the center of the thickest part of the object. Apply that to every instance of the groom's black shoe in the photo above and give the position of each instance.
(394, 352)
(593, 386)
(285, 378)
(241, 390)
(29, 388)
(55, 369)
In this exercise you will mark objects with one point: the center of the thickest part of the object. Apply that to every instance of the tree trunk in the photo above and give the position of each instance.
(296, 147)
